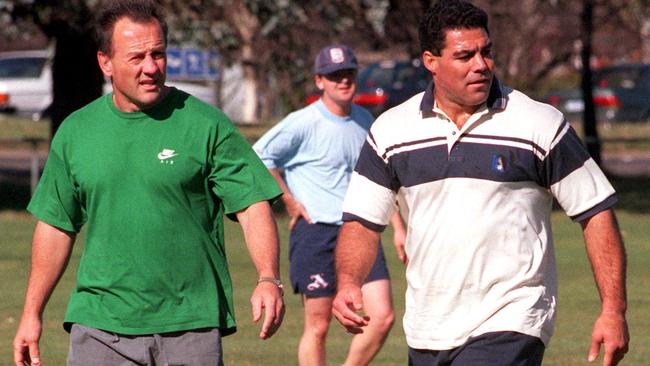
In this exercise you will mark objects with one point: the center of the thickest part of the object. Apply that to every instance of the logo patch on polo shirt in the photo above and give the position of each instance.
(498, 163)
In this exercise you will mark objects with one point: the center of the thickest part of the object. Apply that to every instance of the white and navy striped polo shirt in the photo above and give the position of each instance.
(478, 203)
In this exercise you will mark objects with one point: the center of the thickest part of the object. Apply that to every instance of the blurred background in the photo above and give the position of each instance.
(253, 58)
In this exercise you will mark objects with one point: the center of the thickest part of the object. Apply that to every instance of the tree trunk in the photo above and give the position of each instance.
(589, 115)
(249, 109)
(247, 27)
(76, 77)
(645, 39)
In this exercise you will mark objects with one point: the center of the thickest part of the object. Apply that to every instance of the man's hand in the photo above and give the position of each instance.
(267, 299)
(51, 248)
(611, 331)
(26, 350)
(606, 252)
(399, 237)
(399, 240)
(261, 236)
(295, 210)
(346, 307)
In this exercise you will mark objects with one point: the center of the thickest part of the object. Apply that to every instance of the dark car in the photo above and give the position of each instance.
(383, 85)
(621, 94)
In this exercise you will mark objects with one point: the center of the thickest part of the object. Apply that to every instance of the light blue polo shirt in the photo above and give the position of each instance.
(318, 152)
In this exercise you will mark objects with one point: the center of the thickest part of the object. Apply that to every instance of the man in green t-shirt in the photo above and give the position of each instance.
(150, 171)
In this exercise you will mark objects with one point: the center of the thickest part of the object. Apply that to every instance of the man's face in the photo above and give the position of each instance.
(137, 65)
(463, 73)
(339, 86)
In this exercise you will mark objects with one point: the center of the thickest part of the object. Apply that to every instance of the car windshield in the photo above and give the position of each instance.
(376, 76)
(619, 78)
(389, 75)
(21, 67)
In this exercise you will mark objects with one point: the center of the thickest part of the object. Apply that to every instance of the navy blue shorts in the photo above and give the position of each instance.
(311, 258)
(489, 349)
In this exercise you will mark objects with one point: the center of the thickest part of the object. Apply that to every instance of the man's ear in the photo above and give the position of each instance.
(430, 61)
(105, 64)
(318, 80)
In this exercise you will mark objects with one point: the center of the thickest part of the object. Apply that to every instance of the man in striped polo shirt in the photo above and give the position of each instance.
(474, 167)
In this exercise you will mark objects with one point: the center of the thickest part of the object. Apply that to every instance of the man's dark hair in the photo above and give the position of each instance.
(445, 15)
(140, 11)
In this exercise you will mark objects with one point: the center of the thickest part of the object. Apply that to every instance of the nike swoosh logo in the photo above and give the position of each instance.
(162, 156)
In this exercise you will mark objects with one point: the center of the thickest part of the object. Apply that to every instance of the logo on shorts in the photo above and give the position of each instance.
(318, 282)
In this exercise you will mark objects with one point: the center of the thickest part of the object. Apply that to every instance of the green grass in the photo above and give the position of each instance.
(577, 310)
(16, 127)
(617, 136)
(578, 297)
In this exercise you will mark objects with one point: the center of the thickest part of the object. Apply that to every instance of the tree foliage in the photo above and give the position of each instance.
(275, 41)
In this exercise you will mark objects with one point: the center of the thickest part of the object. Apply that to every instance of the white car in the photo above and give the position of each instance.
(25, 82)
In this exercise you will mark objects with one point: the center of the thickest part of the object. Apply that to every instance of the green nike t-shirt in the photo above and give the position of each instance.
(151, 188)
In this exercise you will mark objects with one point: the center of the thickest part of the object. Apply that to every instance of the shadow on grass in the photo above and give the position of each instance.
(633, 193)
(13, 195)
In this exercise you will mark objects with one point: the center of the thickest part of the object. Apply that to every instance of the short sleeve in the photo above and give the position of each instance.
(56, 199)
(370, 199)
(574, 178)
(237, 176)
(280, 144)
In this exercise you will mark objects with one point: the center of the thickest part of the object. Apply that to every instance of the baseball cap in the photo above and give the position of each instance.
(334, 58)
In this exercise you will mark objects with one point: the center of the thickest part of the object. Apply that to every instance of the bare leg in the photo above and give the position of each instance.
(378, 305)
(318, 313)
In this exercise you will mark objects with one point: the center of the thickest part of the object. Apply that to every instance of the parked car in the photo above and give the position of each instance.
(621, 94)
(383, 85)
(25, 83)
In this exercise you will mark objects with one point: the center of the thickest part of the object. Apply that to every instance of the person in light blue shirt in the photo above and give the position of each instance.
(317, 150)
(312, 154)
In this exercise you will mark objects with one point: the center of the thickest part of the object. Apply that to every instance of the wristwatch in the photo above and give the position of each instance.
(275, 281)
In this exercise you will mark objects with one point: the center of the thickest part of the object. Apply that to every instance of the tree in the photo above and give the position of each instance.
(273, 41)
(589, 118)
(76, 77)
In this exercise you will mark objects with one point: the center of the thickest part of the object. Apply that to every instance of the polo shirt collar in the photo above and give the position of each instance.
(496, 99)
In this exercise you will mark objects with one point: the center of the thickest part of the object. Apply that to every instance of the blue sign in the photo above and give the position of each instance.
(174, 62)
(192, 63)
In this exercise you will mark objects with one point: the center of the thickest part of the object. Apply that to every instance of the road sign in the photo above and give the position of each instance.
(174, 62)
(192, 63)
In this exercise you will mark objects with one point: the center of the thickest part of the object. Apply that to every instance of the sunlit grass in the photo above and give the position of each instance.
(578, 305)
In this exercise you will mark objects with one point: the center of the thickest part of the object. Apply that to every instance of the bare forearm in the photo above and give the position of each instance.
(607, 256)
(356, 250)
(277, 174)
(51, 249)
(397, 222)
(261, 236)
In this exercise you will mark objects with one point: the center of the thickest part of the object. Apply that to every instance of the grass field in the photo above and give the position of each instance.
(577, 310)
(578, 302)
